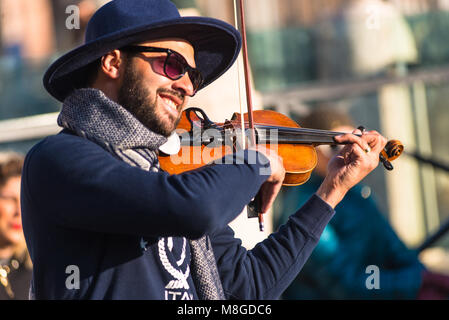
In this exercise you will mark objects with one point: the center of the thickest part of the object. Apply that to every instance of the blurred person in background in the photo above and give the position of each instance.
(15, 263)
(357, 237)
(26, 30)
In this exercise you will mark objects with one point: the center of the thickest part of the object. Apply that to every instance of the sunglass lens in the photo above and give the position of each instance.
(174, 66)
(159, 65)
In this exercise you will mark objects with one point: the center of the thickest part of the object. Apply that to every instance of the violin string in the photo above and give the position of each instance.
(291, 131)
(288, 129)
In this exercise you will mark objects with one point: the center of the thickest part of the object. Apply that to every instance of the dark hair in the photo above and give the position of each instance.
(90, 74)
(11, 165)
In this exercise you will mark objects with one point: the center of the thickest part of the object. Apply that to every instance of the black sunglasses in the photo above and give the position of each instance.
(174, 66)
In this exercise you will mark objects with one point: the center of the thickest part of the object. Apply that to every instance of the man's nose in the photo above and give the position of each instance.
(185, 85)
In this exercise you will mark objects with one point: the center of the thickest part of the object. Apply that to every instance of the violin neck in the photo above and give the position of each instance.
(266, 134)
(269, 134)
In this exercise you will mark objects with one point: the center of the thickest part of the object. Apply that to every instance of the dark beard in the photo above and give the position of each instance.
(133, 96)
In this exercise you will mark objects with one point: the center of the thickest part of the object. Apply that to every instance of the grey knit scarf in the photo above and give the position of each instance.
(92, 115)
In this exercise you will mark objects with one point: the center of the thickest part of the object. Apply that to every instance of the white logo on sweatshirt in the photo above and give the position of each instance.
(176, 288)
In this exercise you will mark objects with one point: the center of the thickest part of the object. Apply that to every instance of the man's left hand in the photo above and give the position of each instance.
(354, 162)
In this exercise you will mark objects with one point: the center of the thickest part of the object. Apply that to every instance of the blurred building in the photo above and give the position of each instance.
(27, 29)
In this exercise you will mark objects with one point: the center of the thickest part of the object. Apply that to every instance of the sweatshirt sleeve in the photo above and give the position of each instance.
(265, 271)
(74, 183)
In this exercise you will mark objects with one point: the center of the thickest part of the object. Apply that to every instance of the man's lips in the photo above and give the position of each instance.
(175, 98)
(172, 101)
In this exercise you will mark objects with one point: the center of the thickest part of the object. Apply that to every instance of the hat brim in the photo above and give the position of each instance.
(216, 43)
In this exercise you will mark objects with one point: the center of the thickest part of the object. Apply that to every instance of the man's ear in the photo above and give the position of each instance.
(112, 64)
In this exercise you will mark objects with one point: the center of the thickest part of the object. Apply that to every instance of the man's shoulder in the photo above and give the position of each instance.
(63, 147)
(63, 139)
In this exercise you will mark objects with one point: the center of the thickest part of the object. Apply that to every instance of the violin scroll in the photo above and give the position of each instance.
(393, 149)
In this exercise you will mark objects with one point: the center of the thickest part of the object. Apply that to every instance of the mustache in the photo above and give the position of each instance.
(177, 94)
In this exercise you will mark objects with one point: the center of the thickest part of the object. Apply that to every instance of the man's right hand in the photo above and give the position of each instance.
(271, 187)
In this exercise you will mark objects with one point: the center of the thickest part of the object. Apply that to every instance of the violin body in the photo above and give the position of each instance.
(298, 159)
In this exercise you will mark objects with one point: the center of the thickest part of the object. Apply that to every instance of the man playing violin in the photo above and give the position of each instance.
(102, 221)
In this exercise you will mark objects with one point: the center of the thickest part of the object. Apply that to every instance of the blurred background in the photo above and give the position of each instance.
(385, 63)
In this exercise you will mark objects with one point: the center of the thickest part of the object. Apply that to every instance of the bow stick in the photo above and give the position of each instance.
(254, 204)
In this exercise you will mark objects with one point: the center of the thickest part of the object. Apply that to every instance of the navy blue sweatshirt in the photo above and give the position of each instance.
(98, 228)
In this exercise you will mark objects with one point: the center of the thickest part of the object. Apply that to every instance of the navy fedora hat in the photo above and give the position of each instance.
(123, 22)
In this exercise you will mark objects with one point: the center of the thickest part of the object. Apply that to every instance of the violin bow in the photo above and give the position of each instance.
(253, 206)
(249, 100)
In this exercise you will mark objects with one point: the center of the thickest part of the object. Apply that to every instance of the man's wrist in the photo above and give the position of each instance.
(331, 193)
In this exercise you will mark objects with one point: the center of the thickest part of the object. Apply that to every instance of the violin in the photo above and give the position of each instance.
(203, 142)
